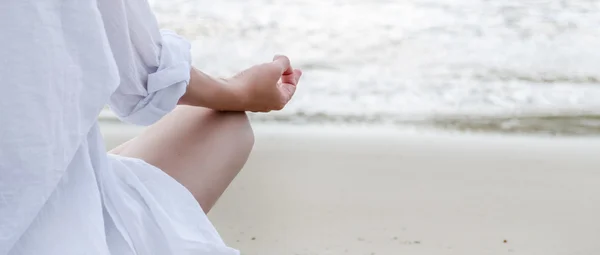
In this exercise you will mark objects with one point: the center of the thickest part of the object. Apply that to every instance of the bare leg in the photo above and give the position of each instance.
(201, 148)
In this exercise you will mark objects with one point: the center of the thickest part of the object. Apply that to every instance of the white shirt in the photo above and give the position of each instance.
(61, 62)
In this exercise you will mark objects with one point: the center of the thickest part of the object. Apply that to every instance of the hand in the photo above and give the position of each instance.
(266, 87)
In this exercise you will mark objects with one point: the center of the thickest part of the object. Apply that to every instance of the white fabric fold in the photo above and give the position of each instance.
(154, 65)
(173, 219)
(165, 86)
(175, 62)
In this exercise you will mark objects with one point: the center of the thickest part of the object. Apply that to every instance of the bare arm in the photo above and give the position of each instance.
(206, 91)
(261, 88)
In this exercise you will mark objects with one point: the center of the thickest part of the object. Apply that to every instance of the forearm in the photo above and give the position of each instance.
(206, 91)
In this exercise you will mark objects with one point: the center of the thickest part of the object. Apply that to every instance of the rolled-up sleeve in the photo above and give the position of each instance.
(153, 65)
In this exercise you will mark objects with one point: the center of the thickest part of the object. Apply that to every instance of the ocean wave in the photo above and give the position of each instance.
(456, 64)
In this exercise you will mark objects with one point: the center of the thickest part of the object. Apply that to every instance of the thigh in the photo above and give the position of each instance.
(202, 149)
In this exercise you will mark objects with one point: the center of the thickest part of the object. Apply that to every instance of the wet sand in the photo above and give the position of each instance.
(315, 190)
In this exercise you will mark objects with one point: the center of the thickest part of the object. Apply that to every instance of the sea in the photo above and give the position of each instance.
(509, 66)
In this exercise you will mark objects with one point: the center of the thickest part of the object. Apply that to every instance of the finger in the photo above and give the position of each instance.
(284, 63)
(292, 78)
(297, 75)
(287, 91)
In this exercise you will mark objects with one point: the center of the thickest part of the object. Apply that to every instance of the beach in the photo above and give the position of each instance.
(383, 190)
(446, 127)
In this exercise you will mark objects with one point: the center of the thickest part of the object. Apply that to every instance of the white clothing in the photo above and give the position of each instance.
(61, 62)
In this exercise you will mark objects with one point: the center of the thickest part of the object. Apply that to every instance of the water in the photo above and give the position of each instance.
(521, 65)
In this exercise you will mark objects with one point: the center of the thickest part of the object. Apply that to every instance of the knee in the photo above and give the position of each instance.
(238, 127)
(244, 130)
(230, 128)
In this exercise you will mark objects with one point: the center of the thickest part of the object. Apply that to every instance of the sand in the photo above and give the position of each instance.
(362, 191)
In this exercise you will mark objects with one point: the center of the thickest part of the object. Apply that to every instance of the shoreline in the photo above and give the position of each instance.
(549, 125)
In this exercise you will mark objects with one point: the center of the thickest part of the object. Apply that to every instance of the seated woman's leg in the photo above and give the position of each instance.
(201, 148)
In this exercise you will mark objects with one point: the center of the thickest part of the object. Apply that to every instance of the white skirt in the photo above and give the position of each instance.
(148, 212)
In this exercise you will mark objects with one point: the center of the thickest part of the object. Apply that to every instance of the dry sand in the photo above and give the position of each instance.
(362, 191)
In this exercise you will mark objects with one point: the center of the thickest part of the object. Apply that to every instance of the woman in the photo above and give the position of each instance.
(60, 192)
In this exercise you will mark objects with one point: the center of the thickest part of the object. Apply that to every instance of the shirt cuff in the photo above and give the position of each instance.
(168, 84)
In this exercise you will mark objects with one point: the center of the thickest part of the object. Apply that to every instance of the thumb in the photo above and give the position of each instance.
(284, 63)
